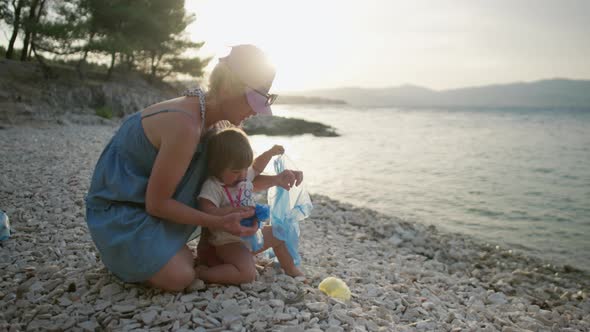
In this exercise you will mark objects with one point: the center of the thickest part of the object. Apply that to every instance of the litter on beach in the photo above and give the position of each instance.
(336, 288)
(4, 226)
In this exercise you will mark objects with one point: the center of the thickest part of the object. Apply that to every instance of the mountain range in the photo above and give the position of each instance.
(547, 94)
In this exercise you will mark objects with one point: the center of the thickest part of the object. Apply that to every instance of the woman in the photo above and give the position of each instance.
(141, 206)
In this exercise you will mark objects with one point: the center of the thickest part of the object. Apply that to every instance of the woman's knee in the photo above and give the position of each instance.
(173, 281)
(177, 274)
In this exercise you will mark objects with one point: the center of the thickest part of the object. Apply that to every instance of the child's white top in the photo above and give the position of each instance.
(241, 194)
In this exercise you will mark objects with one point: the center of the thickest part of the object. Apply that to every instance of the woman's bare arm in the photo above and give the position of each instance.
(178, 141)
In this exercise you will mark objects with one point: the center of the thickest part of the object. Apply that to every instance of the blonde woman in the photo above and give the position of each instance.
(140, 208)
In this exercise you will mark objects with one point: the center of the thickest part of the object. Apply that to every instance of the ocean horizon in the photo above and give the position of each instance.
(510, 177)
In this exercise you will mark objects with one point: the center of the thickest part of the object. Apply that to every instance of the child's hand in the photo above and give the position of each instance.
(276, 150)
(288, 178)
(231, 222)
(247, 209)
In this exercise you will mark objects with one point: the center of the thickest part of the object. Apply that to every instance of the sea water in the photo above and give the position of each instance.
(517, 178)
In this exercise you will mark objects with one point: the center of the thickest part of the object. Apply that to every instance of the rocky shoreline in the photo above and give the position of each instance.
(403, 276)
(26, 98)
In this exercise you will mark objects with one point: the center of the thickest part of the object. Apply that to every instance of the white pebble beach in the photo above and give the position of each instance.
(403, 277)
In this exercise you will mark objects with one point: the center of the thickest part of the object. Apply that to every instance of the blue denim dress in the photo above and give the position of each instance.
(133, 244)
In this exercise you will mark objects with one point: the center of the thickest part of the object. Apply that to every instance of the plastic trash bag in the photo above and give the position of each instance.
(287, 209)
(335, 287)
(4, 226)
(256, 241)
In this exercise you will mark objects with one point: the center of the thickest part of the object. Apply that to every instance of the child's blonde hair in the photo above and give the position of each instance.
(228, 148)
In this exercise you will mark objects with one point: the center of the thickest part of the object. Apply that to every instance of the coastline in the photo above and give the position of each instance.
(403, 276)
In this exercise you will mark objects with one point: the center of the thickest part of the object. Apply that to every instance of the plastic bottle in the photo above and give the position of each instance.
(335, 288)
(4, 226)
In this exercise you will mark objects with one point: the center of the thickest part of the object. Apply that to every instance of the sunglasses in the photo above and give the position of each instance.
(270, 97)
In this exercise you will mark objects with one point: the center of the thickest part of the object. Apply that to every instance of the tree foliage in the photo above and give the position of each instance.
(140, 35)
(5, 13)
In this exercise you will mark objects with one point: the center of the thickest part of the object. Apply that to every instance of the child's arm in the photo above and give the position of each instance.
(261, 161)
(286, 180)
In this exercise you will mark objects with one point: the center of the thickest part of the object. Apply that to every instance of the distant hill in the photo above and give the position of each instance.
(290, 99)
(553, 93)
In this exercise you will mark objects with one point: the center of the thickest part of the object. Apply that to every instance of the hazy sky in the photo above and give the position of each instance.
(439, 44)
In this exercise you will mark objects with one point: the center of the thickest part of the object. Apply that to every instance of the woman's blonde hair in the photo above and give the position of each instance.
(222, 77)
(228, 148)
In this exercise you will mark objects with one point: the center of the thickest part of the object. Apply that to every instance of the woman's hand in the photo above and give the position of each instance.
(231, 222)
(288, 178)
(246, 209)
(276, 150)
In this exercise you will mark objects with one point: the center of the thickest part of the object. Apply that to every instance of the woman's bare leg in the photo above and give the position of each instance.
(177, 274)
(281, 252)
(238, 266)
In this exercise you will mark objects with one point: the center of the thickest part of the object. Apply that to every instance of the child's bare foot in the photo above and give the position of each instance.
(199, 269)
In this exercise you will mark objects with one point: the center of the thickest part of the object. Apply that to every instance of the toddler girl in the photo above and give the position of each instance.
(231, 184)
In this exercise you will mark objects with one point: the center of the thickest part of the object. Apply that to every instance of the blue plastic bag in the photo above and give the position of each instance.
(256, 241)
(287, 209)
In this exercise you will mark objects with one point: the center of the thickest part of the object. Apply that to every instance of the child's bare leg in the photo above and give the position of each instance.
(206, 253)
(281, 252)
(238, 266)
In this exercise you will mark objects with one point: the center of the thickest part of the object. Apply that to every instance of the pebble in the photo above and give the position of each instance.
(317, 306)
(88, 326)
(403, 276)
(124, 308)
(149, 316)
(497, 298)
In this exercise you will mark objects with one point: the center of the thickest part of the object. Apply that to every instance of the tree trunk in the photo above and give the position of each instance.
(37, 19)
(29, 28)
(83, 60)
(131, 62)
(15, 27)
(110, 72)
(47, 73)
(153, 67)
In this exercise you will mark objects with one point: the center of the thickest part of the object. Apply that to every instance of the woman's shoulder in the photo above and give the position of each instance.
(171, 121)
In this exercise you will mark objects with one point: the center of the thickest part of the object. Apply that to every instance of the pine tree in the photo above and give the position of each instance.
(14, 19)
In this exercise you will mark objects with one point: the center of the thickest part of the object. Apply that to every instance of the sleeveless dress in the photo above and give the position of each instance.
(134, 245)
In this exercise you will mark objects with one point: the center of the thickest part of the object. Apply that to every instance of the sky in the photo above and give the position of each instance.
(439, 44)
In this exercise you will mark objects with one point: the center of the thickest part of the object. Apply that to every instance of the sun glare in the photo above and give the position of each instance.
(299, 40)
(379, 43)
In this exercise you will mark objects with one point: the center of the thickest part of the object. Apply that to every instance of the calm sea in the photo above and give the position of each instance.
(517, 178)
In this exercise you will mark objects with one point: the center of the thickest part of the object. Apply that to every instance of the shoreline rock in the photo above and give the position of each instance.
(280, 126)
(403, 276)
